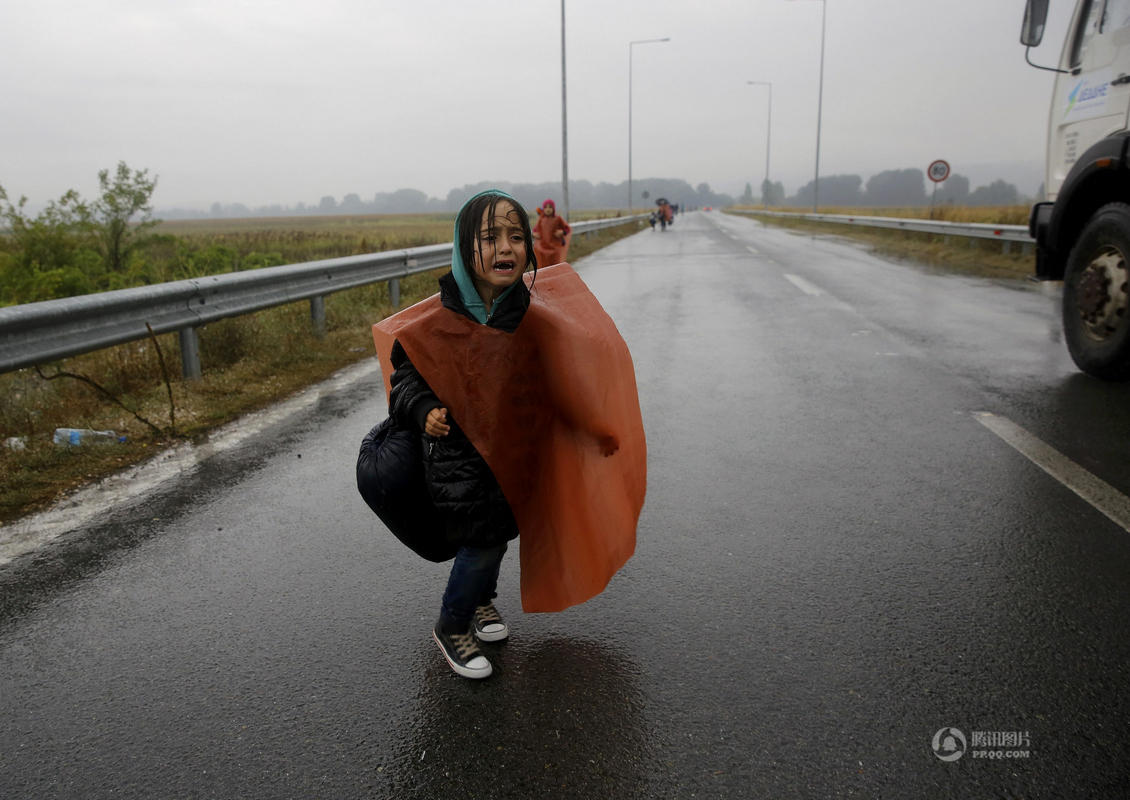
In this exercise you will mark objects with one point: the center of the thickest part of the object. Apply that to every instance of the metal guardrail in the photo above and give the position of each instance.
(35, 333)
(1007, 234)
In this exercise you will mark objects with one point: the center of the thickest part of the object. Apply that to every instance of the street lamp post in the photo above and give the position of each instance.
(630, 51)
(768, 133)
(819, 108)
(564, 127)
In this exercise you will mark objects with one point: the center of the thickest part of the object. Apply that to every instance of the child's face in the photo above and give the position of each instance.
(502, 245)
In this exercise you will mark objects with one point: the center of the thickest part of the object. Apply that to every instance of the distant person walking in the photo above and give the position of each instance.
(552, 235)
(666, 213)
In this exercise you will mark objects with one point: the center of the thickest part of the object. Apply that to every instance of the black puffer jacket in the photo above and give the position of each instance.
(461, 484)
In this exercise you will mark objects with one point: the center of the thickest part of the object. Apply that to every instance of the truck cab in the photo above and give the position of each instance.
(1092, 95)
(1082, 228)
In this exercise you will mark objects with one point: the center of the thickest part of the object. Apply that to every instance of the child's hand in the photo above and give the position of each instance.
(436, 423)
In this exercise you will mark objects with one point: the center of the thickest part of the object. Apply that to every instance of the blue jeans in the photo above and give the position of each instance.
(473, 580)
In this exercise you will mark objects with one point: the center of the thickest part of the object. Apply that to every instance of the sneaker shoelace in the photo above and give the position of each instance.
(465, 646)
(487, 615)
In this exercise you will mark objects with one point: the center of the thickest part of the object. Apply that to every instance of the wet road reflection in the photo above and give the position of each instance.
(561, 718)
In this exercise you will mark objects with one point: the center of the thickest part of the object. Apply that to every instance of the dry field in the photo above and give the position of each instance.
(998, 215)
(970, 256)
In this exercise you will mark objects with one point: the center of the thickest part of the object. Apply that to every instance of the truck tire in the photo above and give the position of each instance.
(1096, 295)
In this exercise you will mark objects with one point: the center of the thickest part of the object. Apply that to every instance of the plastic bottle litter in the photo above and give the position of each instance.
(76, 436)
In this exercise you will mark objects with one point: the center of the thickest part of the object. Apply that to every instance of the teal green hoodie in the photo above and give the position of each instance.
(467, 290)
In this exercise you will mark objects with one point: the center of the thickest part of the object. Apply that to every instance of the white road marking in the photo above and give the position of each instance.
(1100, 494)
(804, 285)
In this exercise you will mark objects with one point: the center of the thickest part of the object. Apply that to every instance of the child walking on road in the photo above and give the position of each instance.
(509, 437)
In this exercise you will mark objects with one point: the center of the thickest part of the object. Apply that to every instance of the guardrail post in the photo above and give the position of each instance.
(318, 316)
(190, 354)
(394, 292)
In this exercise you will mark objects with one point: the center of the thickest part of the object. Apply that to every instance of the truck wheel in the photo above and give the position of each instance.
(1096, 295)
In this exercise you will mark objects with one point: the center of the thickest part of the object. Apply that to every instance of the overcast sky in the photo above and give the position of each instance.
(285, 101)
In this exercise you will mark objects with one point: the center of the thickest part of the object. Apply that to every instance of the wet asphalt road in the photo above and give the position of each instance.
(835, 561)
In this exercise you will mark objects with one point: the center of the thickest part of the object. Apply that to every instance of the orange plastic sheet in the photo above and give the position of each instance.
(542, 405)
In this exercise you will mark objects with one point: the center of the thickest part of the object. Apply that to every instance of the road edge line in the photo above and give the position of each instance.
(1107, 500)
(810, 289)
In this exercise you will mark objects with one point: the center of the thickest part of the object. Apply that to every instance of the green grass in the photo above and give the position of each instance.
(298, 239)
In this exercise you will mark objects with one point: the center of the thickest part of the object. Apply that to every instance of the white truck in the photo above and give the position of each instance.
(1082, 231)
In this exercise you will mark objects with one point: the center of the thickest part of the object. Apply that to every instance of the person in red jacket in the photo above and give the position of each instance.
(551, 236)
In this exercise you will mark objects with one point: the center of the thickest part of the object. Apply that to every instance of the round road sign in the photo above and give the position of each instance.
(938, 171)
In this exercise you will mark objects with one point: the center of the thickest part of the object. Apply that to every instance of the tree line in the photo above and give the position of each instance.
(582, 194)
(895, 187)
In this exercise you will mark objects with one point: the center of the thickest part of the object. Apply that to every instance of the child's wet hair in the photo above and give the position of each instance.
(470, 228)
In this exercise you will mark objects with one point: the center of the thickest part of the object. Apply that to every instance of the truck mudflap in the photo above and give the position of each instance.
(1038, 221)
